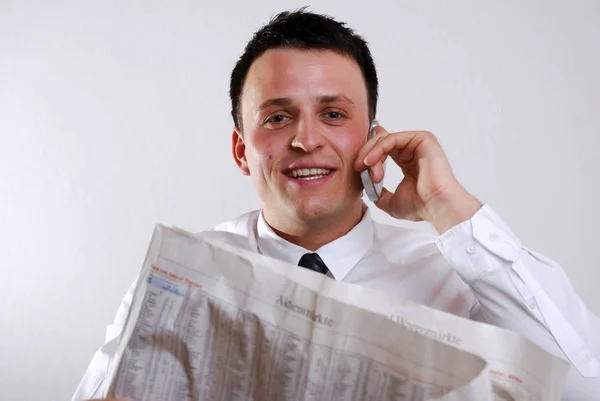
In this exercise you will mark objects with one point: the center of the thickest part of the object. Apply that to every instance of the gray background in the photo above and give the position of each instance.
(115, 116)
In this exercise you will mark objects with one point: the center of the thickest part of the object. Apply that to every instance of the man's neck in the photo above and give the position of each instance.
(313, 236)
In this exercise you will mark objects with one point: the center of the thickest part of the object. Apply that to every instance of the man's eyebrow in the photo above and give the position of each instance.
(334, 99)
(280, 101)
(286, 101)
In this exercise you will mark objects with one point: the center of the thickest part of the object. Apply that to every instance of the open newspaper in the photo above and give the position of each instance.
(209, 321)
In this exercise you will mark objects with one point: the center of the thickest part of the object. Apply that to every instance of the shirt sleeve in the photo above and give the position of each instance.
(92, 383)
(521, 290)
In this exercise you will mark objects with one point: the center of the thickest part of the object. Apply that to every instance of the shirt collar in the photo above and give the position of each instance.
(340, 255)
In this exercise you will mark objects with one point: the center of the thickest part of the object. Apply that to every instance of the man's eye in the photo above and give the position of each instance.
(334, 115)
(278, 118)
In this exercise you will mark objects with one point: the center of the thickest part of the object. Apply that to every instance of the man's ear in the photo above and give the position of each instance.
(238, 148)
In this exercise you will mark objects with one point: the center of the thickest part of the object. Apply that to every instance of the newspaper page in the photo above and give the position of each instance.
(209, 323)
(520, 370)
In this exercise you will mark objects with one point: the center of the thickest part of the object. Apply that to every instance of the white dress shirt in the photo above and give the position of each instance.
(479, 269)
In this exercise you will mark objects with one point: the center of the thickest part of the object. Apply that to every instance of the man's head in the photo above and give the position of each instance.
(303, 94)
(308, 31)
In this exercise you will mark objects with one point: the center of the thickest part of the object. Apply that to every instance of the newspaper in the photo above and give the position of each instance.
(213, 322)
(519, 369)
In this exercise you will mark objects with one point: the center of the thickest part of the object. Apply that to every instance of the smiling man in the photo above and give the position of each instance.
(301, 120)
(303, 96)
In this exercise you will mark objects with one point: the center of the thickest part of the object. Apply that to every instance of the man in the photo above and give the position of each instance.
(303, 96)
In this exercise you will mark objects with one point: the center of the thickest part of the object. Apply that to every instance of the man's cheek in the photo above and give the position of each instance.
(353, 150)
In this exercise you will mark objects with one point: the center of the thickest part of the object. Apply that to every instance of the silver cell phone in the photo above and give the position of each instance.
(373, 190)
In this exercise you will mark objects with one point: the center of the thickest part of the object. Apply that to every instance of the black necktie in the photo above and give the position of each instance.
(312, 261)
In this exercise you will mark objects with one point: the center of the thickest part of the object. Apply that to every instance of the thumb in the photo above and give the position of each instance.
(385, 201)
(397, 204)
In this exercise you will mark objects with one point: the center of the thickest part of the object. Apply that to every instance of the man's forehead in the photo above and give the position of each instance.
(269, 62)
(318, 74)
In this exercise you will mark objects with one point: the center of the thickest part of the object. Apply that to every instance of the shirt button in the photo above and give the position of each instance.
(532, 304)
(471, 249)
(494, 237)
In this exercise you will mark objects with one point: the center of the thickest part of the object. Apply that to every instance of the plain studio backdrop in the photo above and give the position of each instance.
(115, 116)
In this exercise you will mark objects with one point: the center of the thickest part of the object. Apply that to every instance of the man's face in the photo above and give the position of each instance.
(304, 117)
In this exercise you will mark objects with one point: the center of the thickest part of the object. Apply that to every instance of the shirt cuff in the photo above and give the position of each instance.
(483, 245)
(464, 244)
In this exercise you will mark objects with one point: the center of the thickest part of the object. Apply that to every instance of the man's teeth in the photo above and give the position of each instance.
(309, 173)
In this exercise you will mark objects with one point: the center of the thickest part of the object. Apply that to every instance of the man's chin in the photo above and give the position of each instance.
(313, 215)
(321, 212)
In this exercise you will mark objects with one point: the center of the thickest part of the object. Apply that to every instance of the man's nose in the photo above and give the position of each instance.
(308, 136)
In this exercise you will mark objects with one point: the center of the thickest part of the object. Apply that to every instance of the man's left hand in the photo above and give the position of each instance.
(429, 190)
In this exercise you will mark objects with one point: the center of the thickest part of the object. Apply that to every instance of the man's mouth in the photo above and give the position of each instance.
(308, 173)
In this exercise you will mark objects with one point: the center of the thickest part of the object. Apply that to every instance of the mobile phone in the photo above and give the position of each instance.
(373, 190)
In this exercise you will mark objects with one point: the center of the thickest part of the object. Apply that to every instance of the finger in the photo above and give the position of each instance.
(384, 202)
(401, 142)
(380, 134)
(398, 141)
(380, 130)
(377, 172)
(400, 209)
